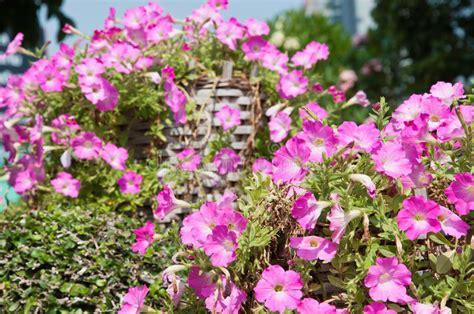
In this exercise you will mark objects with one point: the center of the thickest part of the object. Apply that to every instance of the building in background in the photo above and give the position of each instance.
(353, 14)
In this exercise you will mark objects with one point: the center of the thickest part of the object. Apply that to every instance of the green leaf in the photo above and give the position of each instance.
(336, 282)
(443, 263)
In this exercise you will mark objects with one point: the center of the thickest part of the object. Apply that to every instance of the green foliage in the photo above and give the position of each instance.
(418, 42)
(70, 258)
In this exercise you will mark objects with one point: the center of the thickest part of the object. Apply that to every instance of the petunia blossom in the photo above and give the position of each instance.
(289, 162)
(339, 219)
(419, 216)
(130, 183)
(312, 306)
(391, 160)
(201, 282)
(461, 192)
(366, 181)
(189, 159)
(306, 210)
(144, 238)
(313, 247)
(228, 117)
(167, 202)
(278, 289)
(422, 308)
(220, 246)
(13, 46)
(292, 84)
(263, 166)
(377, 308)
(452, 224)
(133, 301)
(114, 156)
(279, 126)
(227, 298)
(65, 184)
(86, 146)
(447, 92)
(226, 160)
(366, 137)
(319, 139)
(387, 280)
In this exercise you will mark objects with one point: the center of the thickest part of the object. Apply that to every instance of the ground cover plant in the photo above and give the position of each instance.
(332, 216)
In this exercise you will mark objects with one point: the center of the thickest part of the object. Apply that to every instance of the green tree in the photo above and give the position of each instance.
(22, 16)
(421, 42)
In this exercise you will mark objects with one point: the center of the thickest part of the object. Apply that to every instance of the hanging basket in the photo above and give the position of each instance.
(209, 95)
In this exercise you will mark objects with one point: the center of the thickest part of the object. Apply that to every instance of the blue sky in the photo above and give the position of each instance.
(90, 14)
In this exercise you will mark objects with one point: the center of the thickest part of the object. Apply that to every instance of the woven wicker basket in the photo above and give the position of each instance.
(209, 95)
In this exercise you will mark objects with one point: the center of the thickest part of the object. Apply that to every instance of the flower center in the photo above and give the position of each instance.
(88, 144)
(441, 218)
(314, 243)
(278, 288)
(434, 118)
(419, 217)
(231, 226)
(385, 277)
(319, 142)
(229, 245)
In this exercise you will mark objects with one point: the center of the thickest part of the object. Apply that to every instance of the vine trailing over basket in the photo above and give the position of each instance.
(341, 217)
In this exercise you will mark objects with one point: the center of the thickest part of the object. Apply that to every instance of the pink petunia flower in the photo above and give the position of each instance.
(167, 202)
(437, 111)
(176, 101)
(133, 301)
(130, 183)
(461, 193)
(421, 308)
(275, 60)
(306, 210)
(289, 161)
(189, 159)
(257, 28)
(312, 247)
(366, 137)
(452, 224)
(292, 84)
(419, 216)
(447, 92)
(263, 166)
(311, 306)
(377, 308)
(89, 71)
(409, 110)
(13, 46)
(67, 126)
(65, 184)
(175, 287)
(201, 282)
(387, 280)
(311, 54)
(87, 146)
(360, 98)
(279, 126)
(220, 246)
(218, 4)
(339, 219)
(419, 177)
(319, 139)
(228, 117)
(391, 160)
(229, 32)
(144, 238)
(114, 156)
(365, 181)
(226, 160)
(278, 289)
(227, 299)
(255, 48)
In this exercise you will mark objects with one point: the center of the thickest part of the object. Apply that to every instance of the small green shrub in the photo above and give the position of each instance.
(75, 259)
